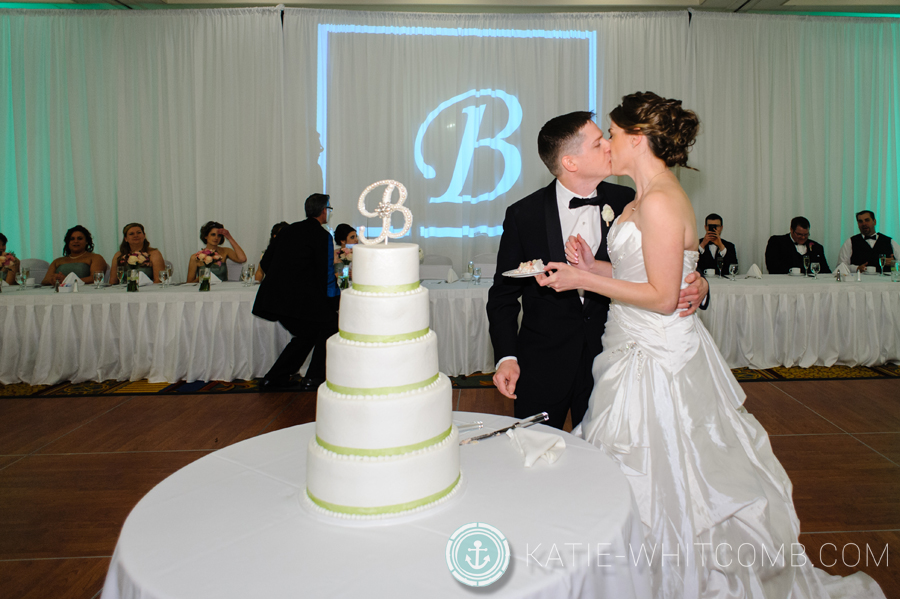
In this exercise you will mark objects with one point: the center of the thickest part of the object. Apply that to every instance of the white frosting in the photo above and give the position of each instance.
(384, 313)
(386, 265)
(384, 481)
(372, 365)
(384, 421)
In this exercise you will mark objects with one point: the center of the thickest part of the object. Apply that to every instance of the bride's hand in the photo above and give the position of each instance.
(565, 278)
(578, 253)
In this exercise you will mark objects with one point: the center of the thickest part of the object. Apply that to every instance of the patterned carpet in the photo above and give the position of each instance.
(476, 381)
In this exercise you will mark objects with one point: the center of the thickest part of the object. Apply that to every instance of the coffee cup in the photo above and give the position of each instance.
(795, 270)
(710, 272)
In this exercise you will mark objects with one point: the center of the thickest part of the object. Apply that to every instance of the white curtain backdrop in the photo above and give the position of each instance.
(167, 118)
(800, 116)
(173, 118)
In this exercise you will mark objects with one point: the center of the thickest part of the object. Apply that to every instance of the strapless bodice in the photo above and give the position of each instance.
(81, 269)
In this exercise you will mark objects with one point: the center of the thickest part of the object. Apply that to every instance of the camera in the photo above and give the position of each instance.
(711, 228)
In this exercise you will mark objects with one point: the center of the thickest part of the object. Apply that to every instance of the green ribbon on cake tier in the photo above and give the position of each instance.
(386, 509)
(383, 338)
(386, 451)
(381, 390)
(386, 288)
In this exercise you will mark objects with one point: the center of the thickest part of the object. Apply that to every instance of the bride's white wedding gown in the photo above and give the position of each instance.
(715, 502)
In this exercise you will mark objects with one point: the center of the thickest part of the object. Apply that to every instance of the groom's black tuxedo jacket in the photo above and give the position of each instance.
(557, 329)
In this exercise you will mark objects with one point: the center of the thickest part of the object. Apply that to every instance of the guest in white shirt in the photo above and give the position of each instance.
(862, 251)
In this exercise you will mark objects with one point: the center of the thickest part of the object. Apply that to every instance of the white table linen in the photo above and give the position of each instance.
(459, 317)
(783, 320)
(231, 525)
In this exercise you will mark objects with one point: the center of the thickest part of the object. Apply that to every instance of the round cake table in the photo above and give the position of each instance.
(232, 524)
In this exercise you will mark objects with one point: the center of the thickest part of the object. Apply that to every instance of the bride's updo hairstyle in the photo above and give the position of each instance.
(670, 129)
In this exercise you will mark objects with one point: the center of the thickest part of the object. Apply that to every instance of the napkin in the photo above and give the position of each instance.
(213, 279)
(754, 273)
(534, 445)
(843, 269)
(4, 284)
(143, 279)
(451, 276)
(71, 280)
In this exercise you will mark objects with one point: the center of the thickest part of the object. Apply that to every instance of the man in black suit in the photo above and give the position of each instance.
(713, 247)
(784, 252)
(300, 291)
(546, 365)
(863, 250)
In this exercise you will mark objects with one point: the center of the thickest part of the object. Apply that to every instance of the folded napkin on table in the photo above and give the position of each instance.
(754, 273)
(843, 269)
(71, 280)
(4, 284)
(213, 279)
(534, 445)
(143, 279)
(451, 276)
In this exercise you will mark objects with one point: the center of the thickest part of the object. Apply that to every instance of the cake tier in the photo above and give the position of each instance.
(358, 368)
(384, 424)
(356, 485)
(383, 317)
(387, 267)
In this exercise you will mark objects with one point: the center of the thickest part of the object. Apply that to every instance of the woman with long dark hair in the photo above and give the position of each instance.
(78, 257)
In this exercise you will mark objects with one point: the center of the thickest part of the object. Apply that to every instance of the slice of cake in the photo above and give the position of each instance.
(385, 442)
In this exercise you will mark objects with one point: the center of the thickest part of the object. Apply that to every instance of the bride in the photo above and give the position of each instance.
(715, 502)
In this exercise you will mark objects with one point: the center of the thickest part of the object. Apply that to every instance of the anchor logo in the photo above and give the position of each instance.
(477, 549)
(477, 554)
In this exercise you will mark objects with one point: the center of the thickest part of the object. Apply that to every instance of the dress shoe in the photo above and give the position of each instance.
(310, 384)
(277, 384)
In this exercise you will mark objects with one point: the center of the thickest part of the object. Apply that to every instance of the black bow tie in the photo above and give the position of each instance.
(579, 202)
(872, 237)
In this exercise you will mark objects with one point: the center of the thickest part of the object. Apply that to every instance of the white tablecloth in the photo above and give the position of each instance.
(781, 320)
(459, 317)
(231, 525)
(175, 334)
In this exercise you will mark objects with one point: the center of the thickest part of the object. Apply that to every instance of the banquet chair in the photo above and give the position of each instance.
(435, 267)
(234, 271)
(37, 268)
(487, 263)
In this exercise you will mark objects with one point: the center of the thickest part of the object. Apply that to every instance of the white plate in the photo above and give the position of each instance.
(798, 274)
(521, 275)
(871, 271)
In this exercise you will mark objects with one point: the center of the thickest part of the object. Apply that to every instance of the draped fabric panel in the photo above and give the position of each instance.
(173, 118)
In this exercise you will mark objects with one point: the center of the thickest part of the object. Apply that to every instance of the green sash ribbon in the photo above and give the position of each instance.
(383, 338)
(386, 451)
(386, 509)
(381, 390)
(386, 288)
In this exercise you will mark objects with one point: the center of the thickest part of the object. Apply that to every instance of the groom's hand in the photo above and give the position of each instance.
(506, 377)
(692, 296)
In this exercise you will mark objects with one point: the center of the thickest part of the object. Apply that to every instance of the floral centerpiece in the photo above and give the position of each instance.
(345, 256)
(7, 261)
(135, 260)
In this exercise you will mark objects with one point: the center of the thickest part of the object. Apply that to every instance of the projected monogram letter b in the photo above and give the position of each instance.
(511, 157)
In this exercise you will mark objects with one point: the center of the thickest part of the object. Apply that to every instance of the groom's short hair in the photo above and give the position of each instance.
(561, 136)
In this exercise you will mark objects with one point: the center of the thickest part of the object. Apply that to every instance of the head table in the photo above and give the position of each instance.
(783, 320)
(179, 334)
(233, 525)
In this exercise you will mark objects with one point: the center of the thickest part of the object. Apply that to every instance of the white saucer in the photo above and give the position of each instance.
(799, 274)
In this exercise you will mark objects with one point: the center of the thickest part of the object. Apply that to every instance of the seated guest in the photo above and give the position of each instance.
(784, 252)
(862, 251)
(214, 256)
(275, 229)
(135, 253)
(713, 247)
(345, 235)
(9, 264)
(78, 257)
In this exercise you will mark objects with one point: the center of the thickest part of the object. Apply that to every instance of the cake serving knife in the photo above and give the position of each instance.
(536, 419)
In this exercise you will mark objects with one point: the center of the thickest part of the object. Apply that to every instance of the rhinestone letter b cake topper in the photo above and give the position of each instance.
(384, 209)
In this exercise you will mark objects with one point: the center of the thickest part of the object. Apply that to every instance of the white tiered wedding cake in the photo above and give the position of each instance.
(385, 441)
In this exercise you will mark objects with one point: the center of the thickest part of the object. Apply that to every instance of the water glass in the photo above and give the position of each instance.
(98, 279)
(164, 278)
(806, 264)
(882, 258)
(476, 275)
(732, 270)
(21, 279)
(814, 268)
(120, 274)
(246, 275)
(895, 273)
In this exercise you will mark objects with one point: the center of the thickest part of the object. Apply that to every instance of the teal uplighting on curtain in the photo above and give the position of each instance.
(48, 6)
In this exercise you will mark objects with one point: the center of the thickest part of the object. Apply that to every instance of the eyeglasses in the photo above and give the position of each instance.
(328, 208)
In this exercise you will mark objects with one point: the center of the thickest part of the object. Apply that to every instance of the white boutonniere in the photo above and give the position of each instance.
(607, 214)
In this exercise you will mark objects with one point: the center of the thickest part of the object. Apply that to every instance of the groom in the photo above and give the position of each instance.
(546, 364)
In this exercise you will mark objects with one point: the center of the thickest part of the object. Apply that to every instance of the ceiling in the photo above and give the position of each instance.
(855, 7)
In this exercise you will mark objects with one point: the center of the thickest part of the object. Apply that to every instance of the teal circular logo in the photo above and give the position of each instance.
(477, 554)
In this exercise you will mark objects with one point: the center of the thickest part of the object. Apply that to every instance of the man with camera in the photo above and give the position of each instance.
(715, 253)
